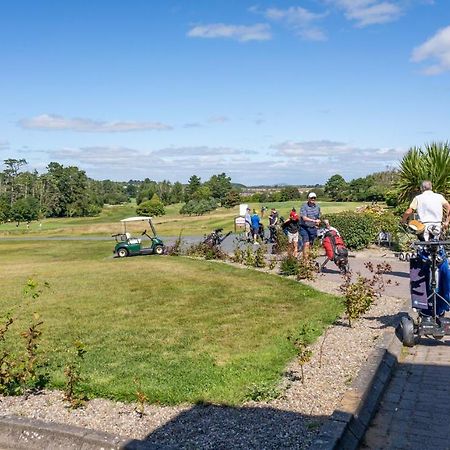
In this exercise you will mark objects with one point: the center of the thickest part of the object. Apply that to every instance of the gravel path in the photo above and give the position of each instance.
(290, 421)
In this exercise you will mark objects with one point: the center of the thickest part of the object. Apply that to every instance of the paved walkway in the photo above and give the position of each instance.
(415, 410)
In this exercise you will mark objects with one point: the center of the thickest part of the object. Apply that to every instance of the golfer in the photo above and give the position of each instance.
(309, 222)
(429, 206)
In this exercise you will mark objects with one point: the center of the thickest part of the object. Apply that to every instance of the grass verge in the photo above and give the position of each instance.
(188, 330)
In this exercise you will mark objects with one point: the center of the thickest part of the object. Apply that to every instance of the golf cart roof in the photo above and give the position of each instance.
(136, 219)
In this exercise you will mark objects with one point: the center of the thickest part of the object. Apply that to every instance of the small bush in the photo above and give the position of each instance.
(262, 392)
(289, 266)
(206, 251)
(281, 243)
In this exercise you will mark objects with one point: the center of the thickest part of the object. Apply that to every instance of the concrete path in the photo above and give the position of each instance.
(415, 410)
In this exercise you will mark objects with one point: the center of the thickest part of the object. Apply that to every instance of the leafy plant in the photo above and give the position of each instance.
(360, 294)
(262, 392)
(176, 248)
(281, 242)
(206, 251)
(249, 257)
(289, 265)
(141, 398)
(21, 371)
(431, 163)
(300, 343)
(72, 372)
(238, 255)
(260, 256)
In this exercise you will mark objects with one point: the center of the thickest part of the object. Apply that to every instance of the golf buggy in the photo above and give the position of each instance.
(430, 290)
(130, 246)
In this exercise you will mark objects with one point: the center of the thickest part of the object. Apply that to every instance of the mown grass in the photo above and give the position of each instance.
(108, 221)
(188, 330)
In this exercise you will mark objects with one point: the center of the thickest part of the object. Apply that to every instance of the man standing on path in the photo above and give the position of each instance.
(309, 222)
(429, 206)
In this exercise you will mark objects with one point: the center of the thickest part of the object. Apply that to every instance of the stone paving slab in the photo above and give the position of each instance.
(414, 412)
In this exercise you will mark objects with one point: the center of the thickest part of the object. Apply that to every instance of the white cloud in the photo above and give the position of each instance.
(437, 48)
(298, 19)
(51, 122)
(300, 162)
(242, 33)
(218, 119)
(200, 151)
(192, 125)
(337, 156)
(369, 12)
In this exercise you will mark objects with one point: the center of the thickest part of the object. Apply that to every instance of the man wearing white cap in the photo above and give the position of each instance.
(309, 222)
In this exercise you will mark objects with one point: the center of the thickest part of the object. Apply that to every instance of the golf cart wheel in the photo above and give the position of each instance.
(159, 250)
(401, 256)
(122, 252)
(407, 331)
(407, 257)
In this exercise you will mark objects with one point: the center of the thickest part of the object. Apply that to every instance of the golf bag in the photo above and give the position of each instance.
(420, 276)
(335, 249)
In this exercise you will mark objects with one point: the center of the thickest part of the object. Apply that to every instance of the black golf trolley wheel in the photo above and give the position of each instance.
(407, 331)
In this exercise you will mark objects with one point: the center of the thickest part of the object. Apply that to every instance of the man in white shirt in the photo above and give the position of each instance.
(429, 206)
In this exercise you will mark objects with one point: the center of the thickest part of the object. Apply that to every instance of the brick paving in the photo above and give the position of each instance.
(415, 410)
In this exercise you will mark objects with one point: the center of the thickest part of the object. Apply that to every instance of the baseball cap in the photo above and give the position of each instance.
(312, 195)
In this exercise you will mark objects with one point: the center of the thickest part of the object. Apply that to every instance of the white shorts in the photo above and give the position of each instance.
(292, 237)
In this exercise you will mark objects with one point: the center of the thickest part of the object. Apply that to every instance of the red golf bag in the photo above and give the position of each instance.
(335, 250)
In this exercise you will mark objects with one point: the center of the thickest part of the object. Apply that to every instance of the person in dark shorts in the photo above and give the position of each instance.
(273, 222)
(309, 222)
(291, 228)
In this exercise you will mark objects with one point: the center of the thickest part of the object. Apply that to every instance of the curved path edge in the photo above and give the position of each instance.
(23, 433)
(346, 427)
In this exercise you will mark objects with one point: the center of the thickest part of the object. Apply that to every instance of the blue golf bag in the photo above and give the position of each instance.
(420, 282)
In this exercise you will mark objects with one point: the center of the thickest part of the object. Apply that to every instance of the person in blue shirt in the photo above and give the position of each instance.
(309, 222)
(255, 226)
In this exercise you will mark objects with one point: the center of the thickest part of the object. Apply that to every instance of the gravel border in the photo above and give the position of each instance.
(291, 421)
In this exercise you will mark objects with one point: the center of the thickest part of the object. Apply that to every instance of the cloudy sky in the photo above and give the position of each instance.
(269, 92)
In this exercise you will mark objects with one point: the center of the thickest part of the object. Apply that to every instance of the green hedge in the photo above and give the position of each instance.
(359, 230)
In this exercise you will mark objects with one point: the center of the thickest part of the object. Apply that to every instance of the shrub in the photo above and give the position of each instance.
(289, 266)
(357, 230)
(153, 207)
(198, 207)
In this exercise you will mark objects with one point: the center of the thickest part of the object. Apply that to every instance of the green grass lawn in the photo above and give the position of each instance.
(188, 330)
(171, 224)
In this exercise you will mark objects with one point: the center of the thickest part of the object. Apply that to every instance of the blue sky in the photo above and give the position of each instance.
(267, 92)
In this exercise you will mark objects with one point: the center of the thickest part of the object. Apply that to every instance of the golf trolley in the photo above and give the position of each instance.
(215, 238)
(430, 292)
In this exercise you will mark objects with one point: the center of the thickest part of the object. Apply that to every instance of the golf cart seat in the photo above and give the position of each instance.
(128, 235)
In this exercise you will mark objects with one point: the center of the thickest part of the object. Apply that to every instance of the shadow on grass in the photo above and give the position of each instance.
(222, 427)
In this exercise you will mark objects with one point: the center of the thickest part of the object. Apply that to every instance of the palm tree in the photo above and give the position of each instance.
(432, 163)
